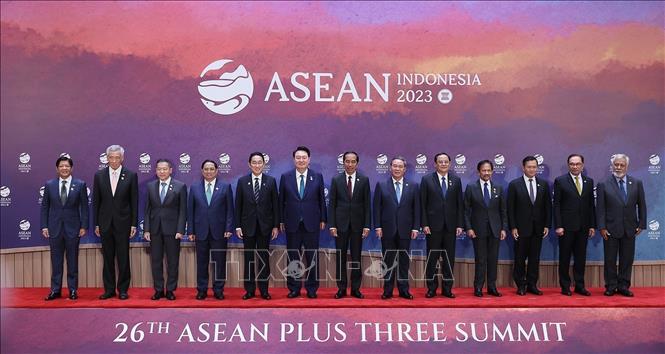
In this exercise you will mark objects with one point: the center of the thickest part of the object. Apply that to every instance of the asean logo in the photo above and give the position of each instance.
(228, 94)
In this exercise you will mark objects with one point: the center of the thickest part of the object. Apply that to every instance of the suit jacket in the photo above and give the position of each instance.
(477, 214)
(396, 218)
(72, 216)
(216, 217)
(527, 218)
(354, 212)
(248, 211)
(439, 212)
(168, 217)
(613, 214)
(311, 209)
(119, 210)
(572, 211)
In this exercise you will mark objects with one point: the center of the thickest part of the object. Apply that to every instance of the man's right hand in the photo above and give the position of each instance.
(605, 234)
(45, 233)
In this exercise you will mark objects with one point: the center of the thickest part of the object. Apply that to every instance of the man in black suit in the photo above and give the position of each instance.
(574, 222)
(529, 218)
(349, 221)
(442, 216)
(396, 222)
(64, 220)
(257, 215)
(486, 224)
(164, 226)
(622, 214)
(115, 203)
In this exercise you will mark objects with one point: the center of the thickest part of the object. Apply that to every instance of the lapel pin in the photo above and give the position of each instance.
(216, 188)
(249, 183)
(406, 184)
(630, 182)
(310, 178)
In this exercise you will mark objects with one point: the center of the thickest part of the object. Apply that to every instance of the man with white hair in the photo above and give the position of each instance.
(622, 213)
(115, 203)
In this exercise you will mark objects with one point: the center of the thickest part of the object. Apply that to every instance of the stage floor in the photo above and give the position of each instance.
(140, 298)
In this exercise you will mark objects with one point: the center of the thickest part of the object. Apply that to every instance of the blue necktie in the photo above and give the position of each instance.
(301, 189)
(444, 187)
(486, 195)
(398, 191)
(532, 195)
(162, 194)
(63, 193)
(209, 193)
(622, 186)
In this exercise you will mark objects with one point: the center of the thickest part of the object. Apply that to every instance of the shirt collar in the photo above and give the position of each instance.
(353, 176)
(526, 179)
(168, 181)
(482, 183)
(573, 176)
(68, 179)
(440, 175)
(260, 176)
(304, 173)
(112, 170)
(395, 181)
(214, 181)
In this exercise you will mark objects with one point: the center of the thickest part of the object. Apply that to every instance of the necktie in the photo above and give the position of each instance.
(162, 194)
(349, 188)
(209, 192)
(578, 185)
(622, 186)
(114, 181)
(256, 189)
(532, 195)
(398, 191)
(63, 192)
(301, 188)
(486, 195)
(444, 187)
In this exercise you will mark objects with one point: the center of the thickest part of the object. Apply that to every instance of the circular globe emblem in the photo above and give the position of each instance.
(184, 158)
(41, 191)
(64, 154)
(266, 158)
(421, 159)
(24, 225)
(381, 159)
(539, 158)
(460, 159)
(24, 157)
(340, 159)
(654, 225)
(103, 158)
(144, 158)
(224, 158)
(654, 159)
(4, 191)
(230, 92)
(499, 159)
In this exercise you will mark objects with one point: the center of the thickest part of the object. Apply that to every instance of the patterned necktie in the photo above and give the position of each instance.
(162, 194)
(444, 187)
(398, 191)
(256, 189)
(209, 192)
(622, 187)
(349, 188)
(301, 188)
(532, 195)
(114, 181)
(63, 192)
(578, 185)
(486, 195)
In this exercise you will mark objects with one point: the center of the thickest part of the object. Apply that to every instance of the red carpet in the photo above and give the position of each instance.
(140, 298)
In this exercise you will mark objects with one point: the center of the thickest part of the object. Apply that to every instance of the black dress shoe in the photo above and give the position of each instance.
(494, 292)
(73, 295)
(248, 296)
(170, 295)
(219, 295)
(340, 294)
(430, 294)
(293, 294)
(105, 296)
(566, 291)
(478, 292)
(123, 296)
(52, 296)
(534, 290)
(266, 296)
(357, 294)
(521, 291)
(386, 296)
(201, 295)
(448, 294)
(609, 292)
(311, 295)
(157, 295)
(625, 292)
(583, 292)
(407, 295)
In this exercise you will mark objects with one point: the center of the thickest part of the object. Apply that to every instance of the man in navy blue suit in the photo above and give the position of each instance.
(210, 223)
(303, 208)
(64, 220)
(396, 222)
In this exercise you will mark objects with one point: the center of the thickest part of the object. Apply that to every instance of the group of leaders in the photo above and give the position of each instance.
(208, 214)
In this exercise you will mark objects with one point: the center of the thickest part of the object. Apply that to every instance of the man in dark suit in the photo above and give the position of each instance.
(622, 214)
(210, 224)
(396, 223)
(574, 222)
(486, 224)
(64, 220)
(349, 221)
(442, 216)
(115, 203)
(303, 214)
(529, 218)
(257, 216)
(164, 226)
